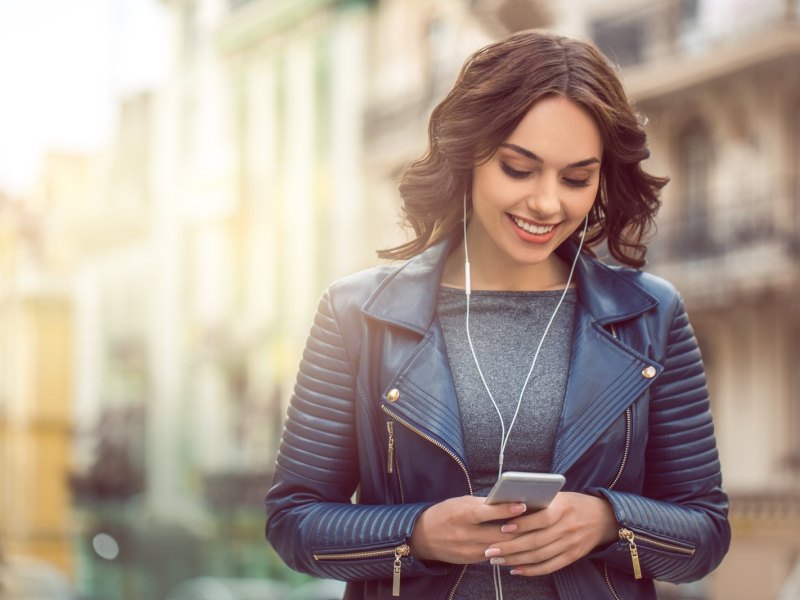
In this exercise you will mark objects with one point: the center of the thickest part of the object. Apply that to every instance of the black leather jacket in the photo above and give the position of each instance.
(374, 414)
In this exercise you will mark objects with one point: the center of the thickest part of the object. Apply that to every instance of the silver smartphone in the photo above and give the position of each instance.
(536, 490)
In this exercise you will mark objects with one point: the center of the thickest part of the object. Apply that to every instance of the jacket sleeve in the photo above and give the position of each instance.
(311, 521)
(679, 523)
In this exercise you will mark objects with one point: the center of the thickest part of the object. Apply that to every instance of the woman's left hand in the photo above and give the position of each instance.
(552, 538)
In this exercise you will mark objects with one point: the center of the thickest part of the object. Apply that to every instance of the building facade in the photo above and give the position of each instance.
(720, 88)
(265, 168)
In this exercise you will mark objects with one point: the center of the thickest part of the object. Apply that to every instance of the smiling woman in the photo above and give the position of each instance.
(504, 344)
(530, 197)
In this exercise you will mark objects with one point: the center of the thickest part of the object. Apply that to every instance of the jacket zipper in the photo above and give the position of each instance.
(628, 435)
(628, 426)
(608, 582)
(398, 552)
(391, 461)
(390, 450)
(425, 436)
(458, 582)
(452, 455)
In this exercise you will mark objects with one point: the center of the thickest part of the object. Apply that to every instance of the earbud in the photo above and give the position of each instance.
(467, 276)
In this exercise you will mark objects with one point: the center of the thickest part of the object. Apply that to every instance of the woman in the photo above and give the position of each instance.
(503, 344)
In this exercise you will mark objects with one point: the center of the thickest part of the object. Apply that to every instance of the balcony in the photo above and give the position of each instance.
(694, 40)
(767, 511)
(748, 245)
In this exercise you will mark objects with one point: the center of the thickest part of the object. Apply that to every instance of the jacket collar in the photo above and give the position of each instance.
(408, 296)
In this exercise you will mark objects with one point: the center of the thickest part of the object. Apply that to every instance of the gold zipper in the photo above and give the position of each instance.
(628, 435)
(458, 581)
(400, 482)
(390, 452)
(628, 426)
(425, 436)
(654, 542)
(399, 552)
(608, 582)
(358, 555)
(452, 455)
(391, 460)
(628, 535)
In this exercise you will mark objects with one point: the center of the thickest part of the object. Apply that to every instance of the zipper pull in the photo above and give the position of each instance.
(628, 536)
(390, 461)
(399, 552)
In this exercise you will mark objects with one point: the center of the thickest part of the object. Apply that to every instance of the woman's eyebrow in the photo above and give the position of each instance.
(528, 154)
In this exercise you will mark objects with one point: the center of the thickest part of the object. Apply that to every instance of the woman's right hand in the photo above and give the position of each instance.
(458, 530)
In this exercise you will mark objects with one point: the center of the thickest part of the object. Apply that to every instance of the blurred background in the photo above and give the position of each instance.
(179, 181)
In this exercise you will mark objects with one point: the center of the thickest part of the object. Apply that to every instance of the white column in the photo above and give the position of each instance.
(165, 424)
(298, 234)
(348, 68)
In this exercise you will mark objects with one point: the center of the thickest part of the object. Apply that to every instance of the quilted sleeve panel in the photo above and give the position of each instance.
(679, 524)
(311, 521)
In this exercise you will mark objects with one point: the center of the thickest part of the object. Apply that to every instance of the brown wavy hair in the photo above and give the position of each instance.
(496, 87)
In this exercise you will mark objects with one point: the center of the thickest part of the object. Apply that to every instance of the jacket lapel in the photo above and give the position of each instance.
(605, 378)
(606, 375)
(427, 402)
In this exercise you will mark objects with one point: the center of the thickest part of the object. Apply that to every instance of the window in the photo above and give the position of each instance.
(694, 161)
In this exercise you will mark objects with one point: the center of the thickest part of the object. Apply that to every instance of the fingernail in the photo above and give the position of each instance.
(508, 528)
(492, 552)
(516, 572)
(519, 508)
(498, 560)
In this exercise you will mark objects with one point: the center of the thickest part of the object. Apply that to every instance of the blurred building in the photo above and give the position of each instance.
(36, 377)
(260, 203)
(720, 85)
(156, 305)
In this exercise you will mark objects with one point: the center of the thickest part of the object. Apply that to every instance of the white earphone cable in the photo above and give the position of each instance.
(506, 434)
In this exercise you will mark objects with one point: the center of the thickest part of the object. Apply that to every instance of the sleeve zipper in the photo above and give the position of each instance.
(628, 536)
(398, 552)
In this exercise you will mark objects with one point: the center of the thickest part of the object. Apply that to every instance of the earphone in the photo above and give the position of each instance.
(506, 434)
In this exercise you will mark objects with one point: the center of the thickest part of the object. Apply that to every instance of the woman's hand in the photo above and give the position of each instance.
(457, 530)
(550, 539)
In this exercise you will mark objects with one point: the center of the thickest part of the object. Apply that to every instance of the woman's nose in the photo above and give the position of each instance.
(543, 196)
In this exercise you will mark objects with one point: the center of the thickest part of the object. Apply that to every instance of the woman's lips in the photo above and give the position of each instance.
(531, 232)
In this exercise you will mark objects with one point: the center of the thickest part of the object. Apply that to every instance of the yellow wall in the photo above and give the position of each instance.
(35, 431)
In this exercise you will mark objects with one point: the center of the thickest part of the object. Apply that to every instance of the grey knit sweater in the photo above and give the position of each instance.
(506, 328)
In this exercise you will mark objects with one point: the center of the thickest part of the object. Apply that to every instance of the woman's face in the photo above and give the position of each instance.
(535, 191)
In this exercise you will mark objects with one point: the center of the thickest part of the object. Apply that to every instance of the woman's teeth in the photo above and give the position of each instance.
(534, 229)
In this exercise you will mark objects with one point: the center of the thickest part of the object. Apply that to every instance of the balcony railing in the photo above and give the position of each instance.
(751, 512)
(732, 228)
(656, 30)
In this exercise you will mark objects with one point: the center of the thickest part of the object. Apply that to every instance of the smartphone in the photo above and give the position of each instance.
(536, 490)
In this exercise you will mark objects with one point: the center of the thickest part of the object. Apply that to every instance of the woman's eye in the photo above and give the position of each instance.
(511, 172)
(576, 183)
